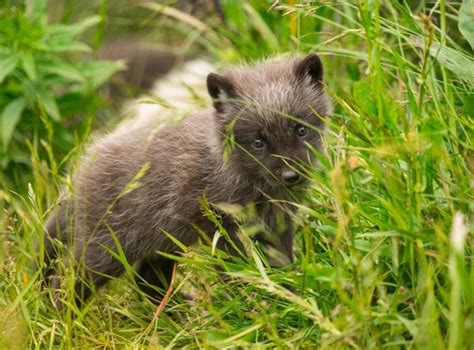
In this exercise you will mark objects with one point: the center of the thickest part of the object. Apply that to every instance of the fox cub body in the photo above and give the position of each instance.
(273, 114)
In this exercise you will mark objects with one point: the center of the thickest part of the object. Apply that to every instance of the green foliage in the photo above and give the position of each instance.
(385, 245)
(47, 90)
(466, 21)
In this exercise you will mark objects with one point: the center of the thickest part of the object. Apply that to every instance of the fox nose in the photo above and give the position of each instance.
(290, 177)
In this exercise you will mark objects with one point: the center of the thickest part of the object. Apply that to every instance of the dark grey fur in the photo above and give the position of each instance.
(185, 162)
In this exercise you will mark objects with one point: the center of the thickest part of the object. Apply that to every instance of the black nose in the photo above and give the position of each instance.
(290, 177)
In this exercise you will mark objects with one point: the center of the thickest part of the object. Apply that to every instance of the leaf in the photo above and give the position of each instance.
(7, 65)
(466, 21)
(75, 29)
(455, 61)
(69, 46)
(49, 103)
(10, 118)
(29, 66)
(99, 71)
(452, 59)
(64, 70)
(86, 23)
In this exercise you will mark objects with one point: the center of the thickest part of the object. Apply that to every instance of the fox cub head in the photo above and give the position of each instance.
(273, 114)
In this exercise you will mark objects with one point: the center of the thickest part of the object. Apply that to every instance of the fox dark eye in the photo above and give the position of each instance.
(258, 144)
(301, 130)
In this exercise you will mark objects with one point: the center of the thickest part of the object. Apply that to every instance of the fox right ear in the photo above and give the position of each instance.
(220, 88)
(312, 67)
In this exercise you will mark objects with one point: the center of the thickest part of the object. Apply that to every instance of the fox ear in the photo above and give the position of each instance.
(310, 66)
(220, 88)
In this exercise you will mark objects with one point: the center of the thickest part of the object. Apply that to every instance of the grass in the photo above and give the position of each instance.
(384, 244)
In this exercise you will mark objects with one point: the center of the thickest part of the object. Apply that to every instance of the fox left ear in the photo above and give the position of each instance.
(310, 66)
(220, 88)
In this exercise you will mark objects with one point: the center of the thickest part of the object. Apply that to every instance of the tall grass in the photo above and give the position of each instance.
(384, 244)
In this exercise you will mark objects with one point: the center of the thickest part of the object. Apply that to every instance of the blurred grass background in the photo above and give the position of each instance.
(384, 245)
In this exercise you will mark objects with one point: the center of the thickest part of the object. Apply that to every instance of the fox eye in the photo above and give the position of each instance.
(258, 144)
(301, 130)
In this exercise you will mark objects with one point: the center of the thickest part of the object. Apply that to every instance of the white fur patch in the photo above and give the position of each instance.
(175, 94)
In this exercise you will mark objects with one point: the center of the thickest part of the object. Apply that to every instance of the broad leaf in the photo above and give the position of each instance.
(63, 69)
(466, 21)
(99, 71)
(10, 117)
(75, 29)
(29, 66)
(68, 46)
(49, 104)
(7, 65)
(452, 59)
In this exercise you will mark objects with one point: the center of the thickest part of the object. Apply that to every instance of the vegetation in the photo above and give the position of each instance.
(385, 244)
